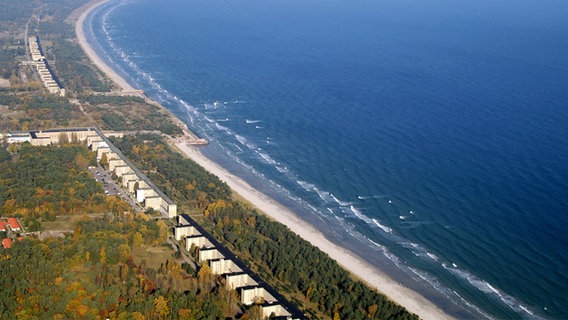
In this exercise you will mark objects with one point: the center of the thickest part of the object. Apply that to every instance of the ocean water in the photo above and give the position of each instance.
(428, 136)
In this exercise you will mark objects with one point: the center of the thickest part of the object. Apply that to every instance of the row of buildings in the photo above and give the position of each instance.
(48, 77)
(131, 178)
(251, 289)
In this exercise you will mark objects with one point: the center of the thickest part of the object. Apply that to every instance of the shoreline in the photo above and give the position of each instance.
(374, 277)
(83, 12)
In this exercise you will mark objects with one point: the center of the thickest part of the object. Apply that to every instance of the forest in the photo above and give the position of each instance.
(40, 183)
(95, 274)
(97, 271)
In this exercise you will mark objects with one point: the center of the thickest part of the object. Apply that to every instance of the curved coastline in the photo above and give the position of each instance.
(373, 276)
(83, 12)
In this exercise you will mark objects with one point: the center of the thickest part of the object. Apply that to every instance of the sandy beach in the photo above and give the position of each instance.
(411, 300)
(83, 12)
(350, 261)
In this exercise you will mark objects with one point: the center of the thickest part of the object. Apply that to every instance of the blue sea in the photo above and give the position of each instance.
(430, 137)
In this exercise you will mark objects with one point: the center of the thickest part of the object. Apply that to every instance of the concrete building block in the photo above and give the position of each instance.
(153, 202)
(113, 156)
(275, 309)
(144, 184)
(239, 280)
(94, 143)
(182, 221)
(102, 150)
(255, 294)
(113, 162)
(171, 209)
(207, 254)
(199, 241)
(181, 232)
(223, 266)
(130, 184)
(143, 193)
(127, 177)
(122, 170)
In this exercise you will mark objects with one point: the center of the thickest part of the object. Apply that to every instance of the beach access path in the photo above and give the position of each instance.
(404, 296)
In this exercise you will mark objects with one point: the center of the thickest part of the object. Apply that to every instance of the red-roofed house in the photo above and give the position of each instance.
(2, 226)
(7, 243)
(14, 225)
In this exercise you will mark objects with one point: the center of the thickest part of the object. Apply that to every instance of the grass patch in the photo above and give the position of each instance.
(154, 256)
(61, 223)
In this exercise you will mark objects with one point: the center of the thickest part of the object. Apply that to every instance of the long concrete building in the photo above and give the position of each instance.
(135, 181)
(251, 289)
(46, 73)
(131, 178)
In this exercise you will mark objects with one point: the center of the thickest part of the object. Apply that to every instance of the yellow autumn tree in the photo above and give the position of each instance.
(372, 311)
(161, 308)
(136, 315)
(104, 160)
(124, 252)
(102, 255)
(184, 313)
(163, 230)
(137, 240)
(81, 161)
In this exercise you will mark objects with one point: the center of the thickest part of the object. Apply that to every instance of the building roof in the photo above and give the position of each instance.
(14, 134)
(14, 225)
(7, 243)
(2, 226)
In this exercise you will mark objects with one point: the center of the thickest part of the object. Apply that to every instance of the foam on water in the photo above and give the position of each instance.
(306, 185)
(384, 228)
(370, 197)
(241, 139)
(325, 196)
(267, 158)
(341, 203)
(226, 129)
(487, 288)
(369, 221)
(282, 169)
